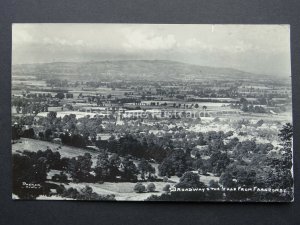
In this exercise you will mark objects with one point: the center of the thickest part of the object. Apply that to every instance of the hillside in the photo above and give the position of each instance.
(128, 70)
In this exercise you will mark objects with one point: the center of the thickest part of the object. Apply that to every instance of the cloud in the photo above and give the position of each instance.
(194, 44)
(63, 42)
(21, 36)
(256, 48)
(141, 40)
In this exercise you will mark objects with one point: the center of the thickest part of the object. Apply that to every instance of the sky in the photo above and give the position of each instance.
(262, 49)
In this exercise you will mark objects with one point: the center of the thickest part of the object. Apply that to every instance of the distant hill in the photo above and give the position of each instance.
(129, 70)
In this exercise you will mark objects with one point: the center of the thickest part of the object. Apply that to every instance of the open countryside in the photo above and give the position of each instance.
(152, 112)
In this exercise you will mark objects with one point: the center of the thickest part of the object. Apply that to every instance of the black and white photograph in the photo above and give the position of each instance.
(151, 112)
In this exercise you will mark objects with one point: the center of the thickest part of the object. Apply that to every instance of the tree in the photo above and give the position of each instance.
(216, 145)
(232, 143)
(245, 107)
(145, 168)
(246, 177)
(51, 115)
(245, 147)
(166, 188)
(16, 132)
(205, 167)
(281, 175)
(151, 187)
(48, 134)
(129, 171)
(197, 164)
(226, 180)
(29, 170)
(218, 162)
(213, 184)
(80, 167)
(114, 163)
(175, 163)
(85, 193)
(286, 134)
(263, 148)
(113, 145)
(243, 100)
(69, 95)
(190, 180)
(102, 168)
(60, 95)
(139, 188)
(61, 177)
(29, 133)
(41, 135)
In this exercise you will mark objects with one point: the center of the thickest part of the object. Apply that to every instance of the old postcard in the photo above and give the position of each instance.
(152, 112)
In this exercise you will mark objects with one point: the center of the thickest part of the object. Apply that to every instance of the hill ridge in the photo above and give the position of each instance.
(131, 69)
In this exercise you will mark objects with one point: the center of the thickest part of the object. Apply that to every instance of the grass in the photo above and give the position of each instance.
(36, 145)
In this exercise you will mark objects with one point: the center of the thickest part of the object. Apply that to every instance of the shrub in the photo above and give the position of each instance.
(139, 188)
(151, 187)
(166, 188)
(85, 193)
(178, 174)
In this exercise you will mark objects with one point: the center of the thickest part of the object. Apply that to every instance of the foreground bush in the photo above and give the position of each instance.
(85, 193)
